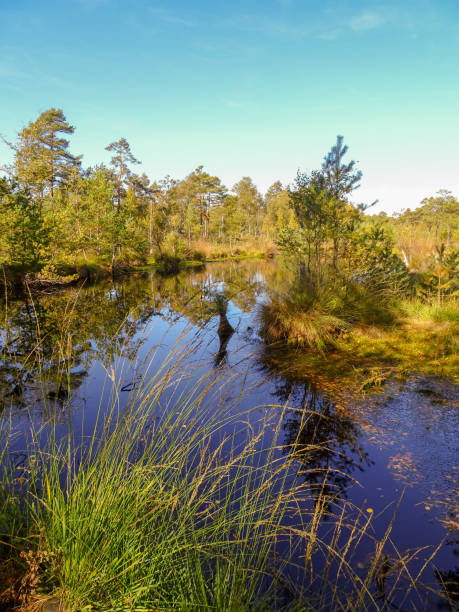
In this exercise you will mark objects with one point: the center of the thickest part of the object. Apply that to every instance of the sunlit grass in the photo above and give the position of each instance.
(179, 500)
(363, 337)
(319, 309)
(425, 339)
(447, 311)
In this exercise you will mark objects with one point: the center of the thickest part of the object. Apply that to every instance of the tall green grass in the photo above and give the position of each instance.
(170, 506)
(146, 512)
(180, 500)
(318, 309)
(447, 312)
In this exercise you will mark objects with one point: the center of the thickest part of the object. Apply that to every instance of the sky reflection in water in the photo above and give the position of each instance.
(403, 440)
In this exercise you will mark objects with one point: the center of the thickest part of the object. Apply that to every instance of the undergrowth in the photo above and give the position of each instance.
(178, 499)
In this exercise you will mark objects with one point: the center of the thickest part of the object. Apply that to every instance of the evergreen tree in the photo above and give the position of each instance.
(342, 178)
(42, 160)
(209, 192)
(120, 161)
(251, 202)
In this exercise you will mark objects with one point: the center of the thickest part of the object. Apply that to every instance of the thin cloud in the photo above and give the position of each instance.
(330, 34)
(18, 68)
(367, 20)
(169, 17)
(251, 22)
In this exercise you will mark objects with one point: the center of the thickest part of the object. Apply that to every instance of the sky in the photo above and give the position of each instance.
(245, 88)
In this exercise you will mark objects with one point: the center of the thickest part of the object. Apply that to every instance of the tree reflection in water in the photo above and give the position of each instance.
(322, 438)
(49, 341)
(225, 329)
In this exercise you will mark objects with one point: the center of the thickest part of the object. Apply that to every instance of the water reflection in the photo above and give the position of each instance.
(55, 338)
(449, 583)
(225, 329)
(58, 338)
(322, 438)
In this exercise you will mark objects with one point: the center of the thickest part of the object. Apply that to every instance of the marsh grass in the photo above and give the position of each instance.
(363, 335)
(144, 512)
(211, 251)
(167, 514)
(424, 310)
(317, 311)
(425, 339)
(179, 500)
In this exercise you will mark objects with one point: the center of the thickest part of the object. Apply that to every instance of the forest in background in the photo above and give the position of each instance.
(373, 296)
(54, 212)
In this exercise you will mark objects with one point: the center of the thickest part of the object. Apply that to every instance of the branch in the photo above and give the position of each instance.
(8, 143)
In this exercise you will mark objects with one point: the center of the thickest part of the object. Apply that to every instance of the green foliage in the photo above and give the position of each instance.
(278, 210)
(42, 159)
(318, 309)
(116, 217)
(250, 203)
(372, 260)
(323, 212)
(292, 241)
(438, 214)
(195, 197)
(120, 163)
(24, 236)
(341, 178)
(441, 276)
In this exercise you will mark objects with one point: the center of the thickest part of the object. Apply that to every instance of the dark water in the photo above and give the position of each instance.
(396, 451)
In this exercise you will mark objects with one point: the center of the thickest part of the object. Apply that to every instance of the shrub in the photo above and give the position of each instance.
(169, 264)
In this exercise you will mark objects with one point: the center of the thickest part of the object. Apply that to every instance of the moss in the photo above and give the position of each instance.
(361, 359)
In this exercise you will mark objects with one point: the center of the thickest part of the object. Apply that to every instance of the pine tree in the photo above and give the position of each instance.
(120, 162)
(341, 180)
(43, 161)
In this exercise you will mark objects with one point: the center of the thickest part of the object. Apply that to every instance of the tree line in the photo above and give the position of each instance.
(53, 210)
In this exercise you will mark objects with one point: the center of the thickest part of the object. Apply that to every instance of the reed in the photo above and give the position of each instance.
(319, 309)
(180, 500)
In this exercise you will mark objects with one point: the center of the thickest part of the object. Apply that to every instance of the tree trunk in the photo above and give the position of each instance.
(405, 258)
(52, 165)
(335, 253)
(150, 228)
(113, 260)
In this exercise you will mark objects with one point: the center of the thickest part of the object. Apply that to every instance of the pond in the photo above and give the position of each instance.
(389, 453)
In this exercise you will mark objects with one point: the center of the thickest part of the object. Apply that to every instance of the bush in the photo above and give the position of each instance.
(169, 264)
(195, 255)
(318, 310)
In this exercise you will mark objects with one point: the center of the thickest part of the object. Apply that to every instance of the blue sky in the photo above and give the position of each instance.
(245, 88)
